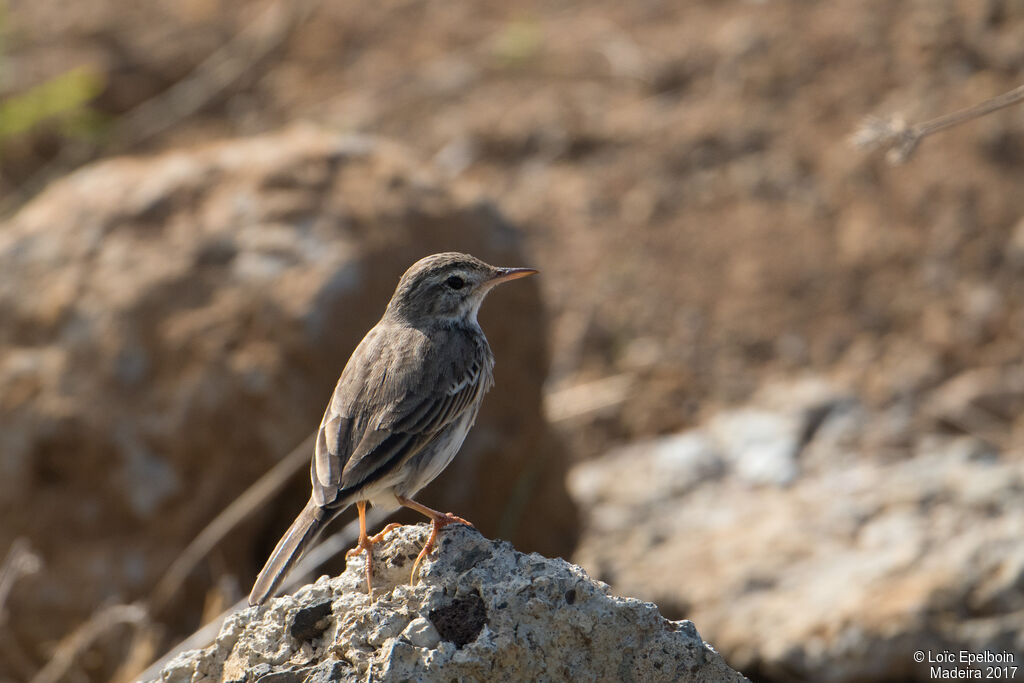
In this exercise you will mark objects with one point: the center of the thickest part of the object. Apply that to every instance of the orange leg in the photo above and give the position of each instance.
(439, 520)
(366, 543)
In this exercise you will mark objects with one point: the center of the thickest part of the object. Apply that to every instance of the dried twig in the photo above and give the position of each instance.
(587, 398)
(257, 495)
(254, 497)
(900, 139)
(72, 645)
(141, 650)
(232, 62)
(312, 560)
(216, 73)
(20, 561)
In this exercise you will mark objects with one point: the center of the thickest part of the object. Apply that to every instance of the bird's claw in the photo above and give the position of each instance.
(437, 523)
(366, 544)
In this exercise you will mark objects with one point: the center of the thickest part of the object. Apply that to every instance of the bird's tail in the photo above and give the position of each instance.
(293, 544)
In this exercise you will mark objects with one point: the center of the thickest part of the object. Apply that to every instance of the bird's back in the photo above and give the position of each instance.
(402, 387)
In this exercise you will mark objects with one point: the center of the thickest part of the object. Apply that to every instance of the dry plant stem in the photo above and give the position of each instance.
(901, 139)
(20, 561)
(241, 55)
(983, 425)
(255, 497)
(143, 646)
(956, 118)
(321, 553)
(82, 637)
(588, 398)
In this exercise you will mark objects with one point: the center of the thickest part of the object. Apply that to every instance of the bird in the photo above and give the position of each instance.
(407, 397)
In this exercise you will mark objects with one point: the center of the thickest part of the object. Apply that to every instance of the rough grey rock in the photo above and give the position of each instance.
(481, 611)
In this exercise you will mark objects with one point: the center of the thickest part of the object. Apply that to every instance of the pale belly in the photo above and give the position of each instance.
(422, 468)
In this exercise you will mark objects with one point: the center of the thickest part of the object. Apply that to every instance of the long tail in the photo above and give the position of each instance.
(293, 544)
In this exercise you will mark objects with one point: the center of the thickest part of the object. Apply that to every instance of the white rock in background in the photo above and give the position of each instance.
(648, 471)
(760, 446)
(883, 545)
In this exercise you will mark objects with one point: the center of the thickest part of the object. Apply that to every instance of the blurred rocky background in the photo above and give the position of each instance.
(766, 380)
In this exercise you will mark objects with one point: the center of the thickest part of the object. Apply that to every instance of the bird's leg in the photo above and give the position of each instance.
(367, 542)
(439, 520)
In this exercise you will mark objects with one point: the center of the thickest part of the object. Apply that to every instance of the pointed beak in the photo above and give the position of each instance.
(507, 274)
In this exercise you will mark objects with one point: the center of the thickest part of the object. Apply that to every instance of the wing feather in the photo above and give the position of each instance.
(386, 408)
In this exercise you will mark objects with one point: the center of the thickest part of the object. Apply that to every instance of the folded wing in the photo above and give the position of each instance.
(395, 406)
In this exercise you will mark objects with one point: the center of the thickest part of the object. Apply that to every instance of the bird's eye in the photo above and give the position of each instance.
(455, 282)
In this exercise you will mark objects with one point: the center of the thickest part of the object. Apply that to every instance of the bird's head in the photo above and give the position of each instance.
(447, 288)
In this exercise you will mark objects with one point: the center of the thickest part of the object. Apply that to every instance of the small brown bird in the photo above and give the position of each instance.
(401, 409)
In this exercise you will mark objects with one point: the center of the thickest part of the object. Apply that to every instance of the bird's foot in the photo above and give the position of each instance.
(438, 522)
(366, 544)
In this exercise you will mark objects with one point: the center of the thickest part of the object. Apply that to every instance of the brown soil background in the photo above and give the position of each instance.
(682, 171)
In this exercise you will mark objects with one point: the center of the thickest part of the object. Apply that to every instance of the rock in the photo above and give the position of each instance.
(840, 576)
(173, 325)
(647, 472)
(761, 445)
(481, 611)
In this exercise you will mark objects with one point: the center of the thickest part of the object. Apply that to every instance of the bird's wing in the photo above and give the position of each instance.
(392, 399)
